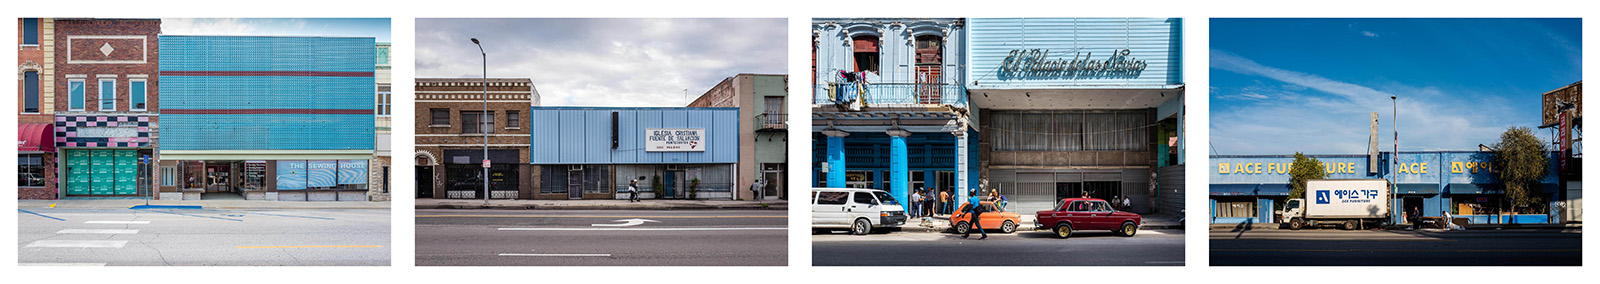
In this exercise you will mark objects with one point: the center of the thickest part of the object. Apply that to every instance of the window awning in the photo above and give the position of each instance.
(1468, 188)
(1250, 189)
(1417, 188)
(36, 137)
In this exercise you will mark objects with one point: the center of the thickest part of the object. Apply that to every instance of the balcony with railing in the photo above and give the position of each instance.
(890, 94)
(772, 121)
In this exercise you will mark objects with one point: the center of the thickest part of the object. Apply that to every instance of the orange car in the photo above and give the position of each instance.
(993, 218)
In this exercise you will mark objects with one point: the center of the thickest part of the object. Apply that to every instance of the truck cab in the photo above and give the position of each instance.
(1292, 209)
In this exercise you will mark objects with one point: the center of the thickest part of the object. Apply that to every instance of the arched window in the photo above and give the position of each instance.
(866, 53)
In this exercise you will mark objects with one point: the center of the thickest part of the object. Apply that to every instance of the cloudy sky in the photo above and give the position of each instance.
(1284, 85)
(605, 62)
(377, 28)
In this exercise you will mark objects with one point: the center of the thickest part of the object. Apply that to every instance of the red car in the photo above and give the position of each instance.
(1077, 214)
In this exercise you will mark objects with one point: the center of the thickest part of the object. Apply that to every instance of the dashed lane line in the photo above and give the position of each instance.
(322, 246)
(594, 216)
(646, 229)
(559, 254)
(94, 231)
(76, 244)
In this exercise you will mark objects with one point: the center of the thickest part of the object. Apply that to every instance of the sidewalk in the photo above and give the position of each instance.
(606, 204)
(942, 223)
(1278, 226)
(111, 203)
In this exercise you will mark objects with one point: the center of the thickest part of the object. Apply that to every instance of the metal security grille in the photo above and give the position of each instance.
(1236, 209)
(1070, 131)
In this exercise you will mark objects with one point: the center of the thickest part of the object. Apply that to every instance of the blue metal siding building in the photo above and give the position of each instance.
(580, 139)
(1432, 182)
(254, 115)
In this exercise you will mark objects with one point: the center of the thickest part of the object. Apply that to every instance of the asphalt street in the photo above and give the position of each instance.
(479, 237)
(1332, 247)
(203, 237)
(1158, 247)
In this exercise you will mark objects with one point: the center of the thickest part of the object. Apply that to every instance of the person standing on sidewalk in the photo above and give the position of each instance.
(633, 190)
(916, 203)
(944, 202)
(975, 209)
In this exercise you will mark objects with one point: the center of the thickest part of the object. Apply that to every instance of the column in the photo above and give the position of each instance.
(835, 157)
(899, 170)
(963, 181)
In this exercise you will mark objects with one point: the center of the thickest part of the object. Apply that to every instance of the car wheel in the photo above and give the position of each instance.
(1063, 230)
(861, 227)
(1008, 227)
(1296, 224)
(1128, 229)
(962, 227)
(1350, 225)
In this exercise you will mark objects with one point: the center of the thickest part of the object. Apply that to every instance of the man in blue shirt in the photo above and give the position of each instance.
(976, 209)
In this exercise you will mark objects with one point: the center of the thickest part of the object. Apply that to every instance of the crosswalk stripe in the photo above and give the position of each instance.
(116, 222)
(105, 231)
(76, 244)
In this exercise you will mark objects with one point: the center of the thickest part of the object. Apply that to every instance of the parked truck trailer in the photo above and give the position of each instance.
(1348, 203)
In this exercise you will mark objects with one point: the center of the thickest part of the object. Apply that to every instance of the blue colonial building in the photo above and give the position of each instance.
(1252, 188)
(274, 118)
(1041, 108)
(593, 152)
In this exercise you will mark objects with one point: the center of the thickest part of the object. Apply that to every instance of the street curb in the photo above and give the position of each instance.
(601, 207)
(165, 207)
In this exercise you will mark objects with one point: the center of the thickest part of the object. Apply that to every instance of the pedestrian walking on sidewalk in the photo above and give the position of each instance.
(633, 190)
(975, 208)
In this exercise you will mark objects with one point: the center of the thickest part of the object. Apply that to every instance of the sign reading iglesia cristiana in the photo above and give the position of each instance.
(674, 140)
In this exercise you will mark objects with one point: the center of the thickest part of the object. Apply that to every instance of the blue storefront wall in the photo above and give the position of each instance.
(582, 135)
(266, 93)
(1431, 176)
(929, 153)
(1157, 42)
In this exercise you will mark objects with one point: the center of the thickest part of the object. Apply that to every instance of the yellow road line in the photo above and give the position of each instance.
(588, 216)
(258, 247)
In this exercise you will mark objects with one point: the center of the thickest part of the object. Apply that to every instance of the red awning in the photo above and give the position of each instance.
(39, 137)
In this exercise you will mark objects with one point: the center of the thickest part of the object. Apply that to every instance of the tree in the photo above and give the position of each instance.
(694, 188)
(1520, 161)
(656, 186)
(1303, 169)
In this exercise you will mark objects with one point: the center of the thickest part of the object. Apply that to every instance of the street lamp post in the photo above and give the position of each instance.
(1394, 114)
(482, 117)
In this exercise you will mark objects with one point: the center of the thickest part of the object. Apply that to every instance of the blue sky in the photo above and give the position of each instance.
(1284, 85)
(605, 62)
(377, 28)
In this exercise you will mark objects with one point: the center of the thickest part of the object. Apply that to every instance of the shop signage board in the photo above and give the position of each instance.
(674, 139)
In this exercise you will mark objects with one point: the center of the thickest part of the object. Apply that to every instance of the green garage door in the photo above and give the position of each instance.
(102, 172)
(125, 172)
(77, 172)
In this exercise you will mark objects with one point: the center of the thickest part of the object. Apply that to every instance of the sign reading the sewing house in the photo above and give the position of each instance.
(674, 140)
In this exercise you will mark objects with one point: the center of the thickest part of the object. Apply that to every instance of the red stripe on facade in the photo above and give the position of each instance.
(267, 111)
(268, 73)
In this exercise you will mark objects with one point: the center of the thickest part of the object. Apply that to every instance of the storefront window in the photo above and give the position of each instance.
(30, 170)
(255, 174)
(553, 179)
(469, 177)
(593, 179)
(1236, 206)
(1070, 131)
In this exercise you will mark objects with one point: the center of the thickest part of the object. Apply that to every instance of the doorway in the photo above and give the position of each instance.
(424, 184)
(1413, 207)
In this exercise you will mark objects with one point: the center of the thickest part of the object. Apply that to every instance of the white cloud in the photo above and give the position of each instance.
(1429, 118)
(1369, 34)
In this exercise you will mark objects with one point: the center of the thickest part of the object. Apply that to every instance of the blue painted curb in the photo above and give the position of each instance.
(165, 207)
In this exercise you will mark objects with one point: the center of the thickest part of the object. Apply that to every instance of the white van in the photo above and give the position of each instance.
(859, 210)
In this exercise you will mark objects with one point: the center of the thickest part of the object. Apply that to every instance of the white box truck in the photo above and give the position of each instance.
(1349, 203)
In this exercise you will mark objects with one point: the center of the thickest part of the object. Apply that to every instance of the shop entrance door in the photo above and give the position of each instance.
(218, 178)
(669, 181)
(575, 182)
(1413, 207)
(424, 184)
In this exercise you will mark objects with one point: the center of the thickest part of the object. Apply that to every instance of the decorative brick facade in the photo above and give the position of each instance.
(456, 96)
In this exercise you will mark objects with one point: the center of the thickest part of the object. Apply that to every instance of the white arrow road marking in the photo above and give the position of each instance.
(107, 231)
(630, 223)
(643, 229)
(117, 222)
(76, 244)
(559, 254)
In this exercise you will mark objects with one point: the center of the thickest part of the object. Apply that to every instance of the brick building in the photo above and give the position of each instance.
(106, 116)
(763, 130)
(449, 137)
(378, 182)
(36, 151)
